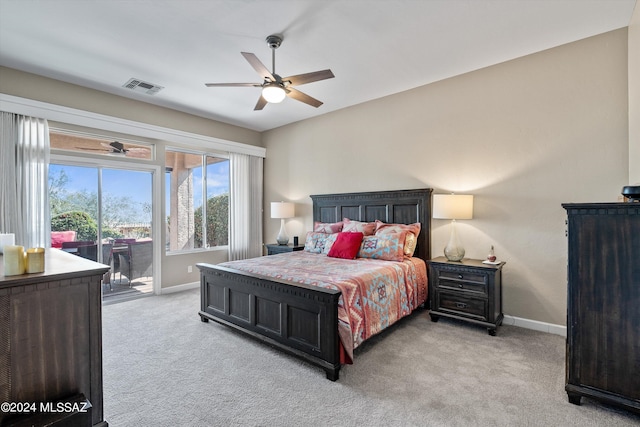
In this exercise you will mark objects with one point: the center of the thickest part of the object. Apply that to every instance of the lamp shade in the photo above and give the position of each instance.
(282, 210)
(273, 93)
(452, 206)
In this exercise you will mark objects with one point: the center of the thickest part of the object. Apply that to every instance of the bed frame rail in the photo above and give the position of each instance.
(299, 319)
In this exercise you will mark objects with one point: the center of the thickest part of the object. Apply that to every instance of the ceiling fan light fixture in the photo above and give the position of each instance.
(273, 93)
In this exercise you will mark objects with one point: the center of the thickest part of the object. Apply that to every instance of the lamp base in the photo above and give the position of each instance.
(454, 254)
(282, 238)
(454, 250)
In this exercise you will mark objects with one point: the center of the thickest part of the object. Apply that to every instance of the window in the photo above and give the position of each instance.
(191, 179)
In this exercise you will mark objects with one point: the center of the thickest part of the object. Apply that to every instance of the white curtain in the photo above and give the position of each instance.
(24, 193)
(245, 206)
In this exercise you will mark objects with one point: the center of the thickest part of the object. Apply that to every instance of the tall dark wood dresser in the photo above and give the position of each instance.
(603, 305)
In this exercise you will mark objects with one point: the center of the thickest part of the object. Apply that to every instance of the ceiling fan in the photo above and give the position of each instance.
(274, 87)
(117, 148)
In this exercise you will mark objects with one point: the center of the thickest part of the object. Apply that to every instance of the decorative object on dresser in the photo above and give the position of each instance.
(603, 314)
(8, 239)
(279, 249)
(282, 210)
(492, 255)
(13, 260)
(467, 290)
(51, 342)
(299, 318)
(453, 207)
(631, 193)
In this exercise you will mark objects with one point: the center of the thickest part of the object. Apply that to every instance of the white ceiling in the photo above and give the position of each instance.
(374, 47)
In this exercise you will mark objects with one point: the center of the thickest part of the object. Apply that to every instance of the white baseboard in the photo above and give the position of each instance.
(535, 325)
(179, 288)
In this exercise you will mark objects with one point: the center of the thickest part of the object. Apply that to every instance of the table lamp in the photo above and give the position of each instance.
(453, 207)
(282, 210)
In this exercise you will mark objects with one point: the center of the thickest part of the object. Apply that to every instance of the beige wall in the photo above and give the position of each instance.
(523, 137)
(30, 86)
(634, 97)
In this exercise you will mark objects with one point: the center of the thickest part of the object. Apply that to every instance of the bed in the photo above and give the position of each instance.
(299, 318)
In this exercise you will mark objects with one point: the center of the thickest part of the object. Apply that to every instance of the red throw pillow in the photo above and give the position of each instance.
(346, 245)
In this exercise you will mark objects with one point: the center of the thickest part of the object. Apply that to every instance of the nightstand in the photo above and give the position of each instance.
(467, 290)
(273, 249)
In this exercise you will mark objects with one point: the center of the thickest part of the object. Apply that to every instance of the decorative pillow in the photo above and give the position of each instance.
(327, 227)
(329, 241)
(411, 239)
(315, 242)
(346, 245)
(388, 246)
(366, 228)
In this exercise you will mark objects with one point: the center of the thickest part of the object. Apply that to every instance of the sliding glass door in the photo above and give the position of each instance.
(105, 214)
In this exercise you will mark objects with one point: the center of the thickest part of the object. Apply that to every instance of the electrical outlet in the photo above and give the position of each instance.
(189, 269)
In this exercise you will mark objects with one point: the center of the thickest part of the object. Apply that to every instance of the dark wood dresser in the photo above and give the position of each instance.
(603, 305)
(51, 343)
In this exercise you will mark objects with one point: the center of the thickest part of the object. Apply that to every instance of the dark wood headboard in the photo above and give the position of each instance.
(400, 207)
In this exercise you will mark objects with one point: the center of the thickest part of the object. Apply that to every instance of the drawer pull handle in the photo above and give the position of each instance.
(461, 286)
(461, 305)
(459, 276)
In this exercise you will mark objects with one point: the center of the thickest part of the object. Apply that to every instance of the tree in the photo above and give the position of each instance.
(217, 222)
(80, 222)
(58, 201)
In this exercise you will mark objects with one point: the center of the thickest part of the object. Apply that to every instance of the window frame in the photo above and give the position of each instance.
(203, 154)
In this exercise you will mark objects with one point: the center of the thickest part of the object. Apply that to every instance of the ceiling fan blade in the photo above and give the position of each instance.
(258, 66)
(303, 97)
(93, 149)
(260, 104)
(301, 79)
(232, 84)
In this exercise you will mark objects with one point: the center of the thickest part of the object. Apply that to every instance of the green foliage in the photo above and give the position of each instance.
(217, 222)
(80, 222)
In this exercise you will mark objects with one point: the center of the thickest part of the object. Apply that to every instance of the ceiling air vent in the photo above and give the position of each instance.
(143, 87)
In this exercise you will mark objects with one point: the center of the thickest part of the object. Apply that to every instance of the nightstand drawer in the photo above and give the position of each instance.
(463, 286)
(460, 276)
(462, 304)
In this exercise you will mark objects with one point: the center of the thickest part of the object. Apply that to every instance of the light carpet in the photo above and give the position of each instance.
(164, 367)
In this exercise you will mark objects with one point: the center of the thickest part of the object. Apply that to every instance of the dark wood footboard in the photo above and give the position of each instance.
(299, 319)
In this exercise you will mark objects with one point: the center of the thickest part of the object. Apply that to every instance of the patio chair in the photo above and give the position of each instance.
(139, 261)
(120, 248)
(76, 243)
(107, 258)
(124, 240)
(88, 252)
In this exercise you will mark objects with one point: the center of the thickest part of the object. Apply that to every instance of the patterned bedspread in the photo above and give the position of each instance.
(375, 293)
